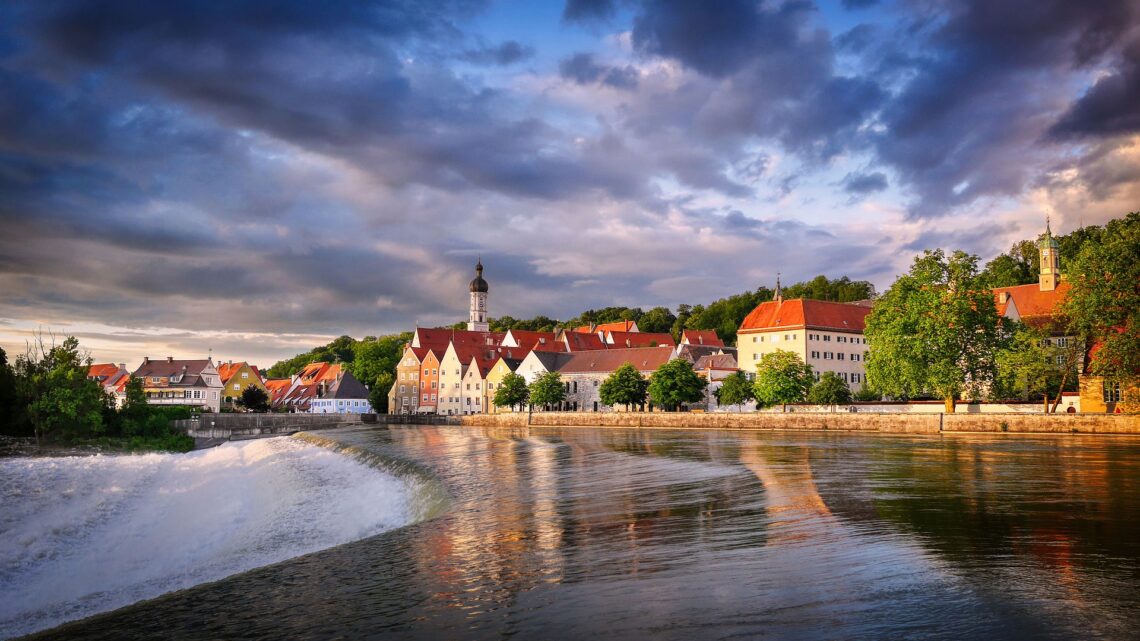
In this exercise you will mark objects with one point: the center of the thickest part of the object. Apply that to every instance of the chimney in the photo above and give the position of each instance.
(1003, 297)
(169, 359)
(122, 366)
(146, 360)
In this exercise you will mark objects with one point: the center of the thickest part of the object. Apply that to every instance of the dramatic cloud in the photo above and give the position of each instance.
(257, 176)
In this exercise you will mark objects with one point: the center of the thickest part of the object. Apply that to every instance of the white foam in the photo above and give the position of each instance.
(83, 535)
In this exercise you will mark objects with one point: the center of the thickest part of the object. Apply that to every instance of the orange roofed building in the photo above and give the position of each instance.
(826, 335)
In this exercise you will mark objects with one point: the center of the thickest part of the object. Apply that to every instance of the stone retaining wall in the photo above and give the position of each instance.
(840, 422)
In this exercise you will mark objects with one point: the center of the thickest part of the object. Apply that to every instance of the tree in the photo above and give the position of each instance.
(547, 390)
(830, 389)
(1026, 368)
(735, 389)
(675, 383)
(1103, 305)
(625, 386)
(935, 331)
(657, 320)
(512, 391)
(63, 403)
(11, 409)
(781, 377)
(378, 393)
(255, 399)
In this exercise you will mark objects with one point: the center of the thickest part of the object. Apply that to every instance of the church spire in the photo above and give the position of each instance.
(778, 296)
(1050, 259)
(477, 316)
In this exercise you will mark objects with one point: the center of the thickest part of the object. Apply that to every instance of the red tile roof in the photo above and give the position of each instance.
(616, 326)
(527, 337)
(638, 339)
(1034, 306)
(226, 371)
(645, 359)
(701, 337)
(806, 313)
(102, 371)
(579, 342)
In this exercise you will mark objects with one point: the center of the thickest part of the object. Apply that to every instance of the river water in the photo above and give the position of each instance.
(631, 534)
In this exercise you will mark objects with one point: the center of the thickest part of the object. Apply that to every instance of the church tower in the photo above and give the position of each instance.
(477, 318)
(1050, 260)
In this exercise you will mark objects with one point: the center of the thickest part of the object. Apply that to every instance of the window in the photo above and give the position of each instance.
(826, 338)
(469, 387)
(457, 371)
(245, 374)
(476, 387)
(434, 372)
(434, 384)
(1060, 359)
(433, 397)
(839, 356)
(845, 375)
(426, 372)
(156, 379)
(490, 386)
(595, 385)
(401, 389)
(236, 386)
(855, 378)
(753, 339)
(1111, 392)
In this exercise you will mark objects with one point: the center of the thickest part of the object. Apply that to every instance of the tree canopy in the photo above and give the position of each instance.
(547, 390)
(1103, 305)
(735, 389)
(675, 384)
(781, 377)
(830, 389)
(512, 391)
(935, 331)
(625, 386)
(255, 399)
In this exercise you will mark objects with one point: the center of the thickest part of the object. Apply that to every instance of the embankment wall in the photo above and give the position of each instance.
(839, 422)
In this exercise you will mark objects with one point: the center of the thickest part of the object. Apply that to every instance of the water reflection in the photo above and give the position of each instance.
(690, 534)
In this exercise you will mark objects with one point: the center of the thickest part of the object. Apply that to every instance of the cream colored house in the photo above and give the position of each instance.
(494, 379)
(828, 336)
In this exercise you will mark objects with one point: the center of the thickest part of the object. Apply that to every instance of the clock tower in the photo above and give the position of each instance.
(477, 316)
(1050, 251)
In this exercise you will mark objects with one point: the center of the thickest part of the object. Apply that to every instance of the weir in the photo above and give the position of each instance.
(233, 427)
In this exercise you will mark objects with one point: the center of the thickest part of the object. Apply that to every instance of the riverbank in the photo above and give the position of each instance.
(824, 421)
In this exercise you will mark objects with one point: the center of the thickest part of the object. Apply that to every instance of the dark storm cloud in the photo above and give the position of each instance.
(857, 183)
(983, 81)
(582, 69)
(1110, 106)
(503, 54)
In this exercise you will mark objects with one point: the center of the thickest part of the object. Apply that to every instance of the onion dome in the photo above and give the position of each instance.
(479, 285)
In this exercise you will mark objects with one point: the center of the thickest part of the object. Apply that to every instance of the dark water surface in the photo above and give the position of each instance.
(631, 534)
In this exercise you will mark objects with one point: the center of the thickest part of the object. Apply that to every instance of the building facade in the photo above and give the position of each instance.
(181, 382)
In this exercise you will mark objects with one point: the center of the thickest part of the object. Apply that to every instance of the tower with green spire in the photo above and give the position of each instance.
(1050, 249)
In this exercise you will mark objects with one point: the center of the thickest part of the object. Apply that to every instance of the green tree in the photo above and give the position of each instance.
(830, 389)
(255, 399)
(378, 392)
(63, 404)
(1026, 368)
(735, 389)
(134, 413)
(781, 378)
(1103, 305)
(935, 331)
(1019, 266)
(625, 386)
(842, 290)
(675, 383)
(547, 390)
(512, 391)
(12, 408)
(657, 320)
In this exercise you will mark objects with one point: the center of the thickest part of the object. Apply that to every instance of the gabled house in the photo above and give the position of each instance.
(704, 337)
(429, 382)
(277, 388)
(583, 373)
(113, 377)
(616, 339)
(236, 377)
(502, 366)
(405, 398)
(343, 395)
(181, 382)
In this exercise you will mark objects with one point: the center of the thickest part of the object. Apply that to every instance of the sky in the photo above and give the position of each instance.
(251, 179)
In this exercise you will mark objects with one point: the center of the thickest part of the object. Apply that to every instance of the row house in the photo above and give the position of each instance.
(236, 377)
(113, 377)
(583, 373)
(343, 395)
(181, 382)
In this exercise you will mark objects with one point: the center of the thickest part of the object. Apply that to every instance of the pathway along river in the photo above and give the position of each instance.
(630, 534)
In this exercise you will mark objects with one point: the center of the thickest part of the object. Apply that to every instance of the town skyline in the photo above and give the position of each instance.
(171, 185)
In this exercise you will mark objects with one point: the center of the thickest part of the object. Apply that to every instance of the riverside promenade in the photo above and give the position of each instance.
(889, 423)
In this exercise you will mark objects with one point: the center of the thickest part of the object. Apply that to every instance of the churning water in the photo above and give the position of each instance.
(582, 533)
(81, 535)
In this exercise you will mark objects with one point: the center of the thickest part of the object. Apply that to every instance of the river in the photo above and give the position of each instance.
(631, 534)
